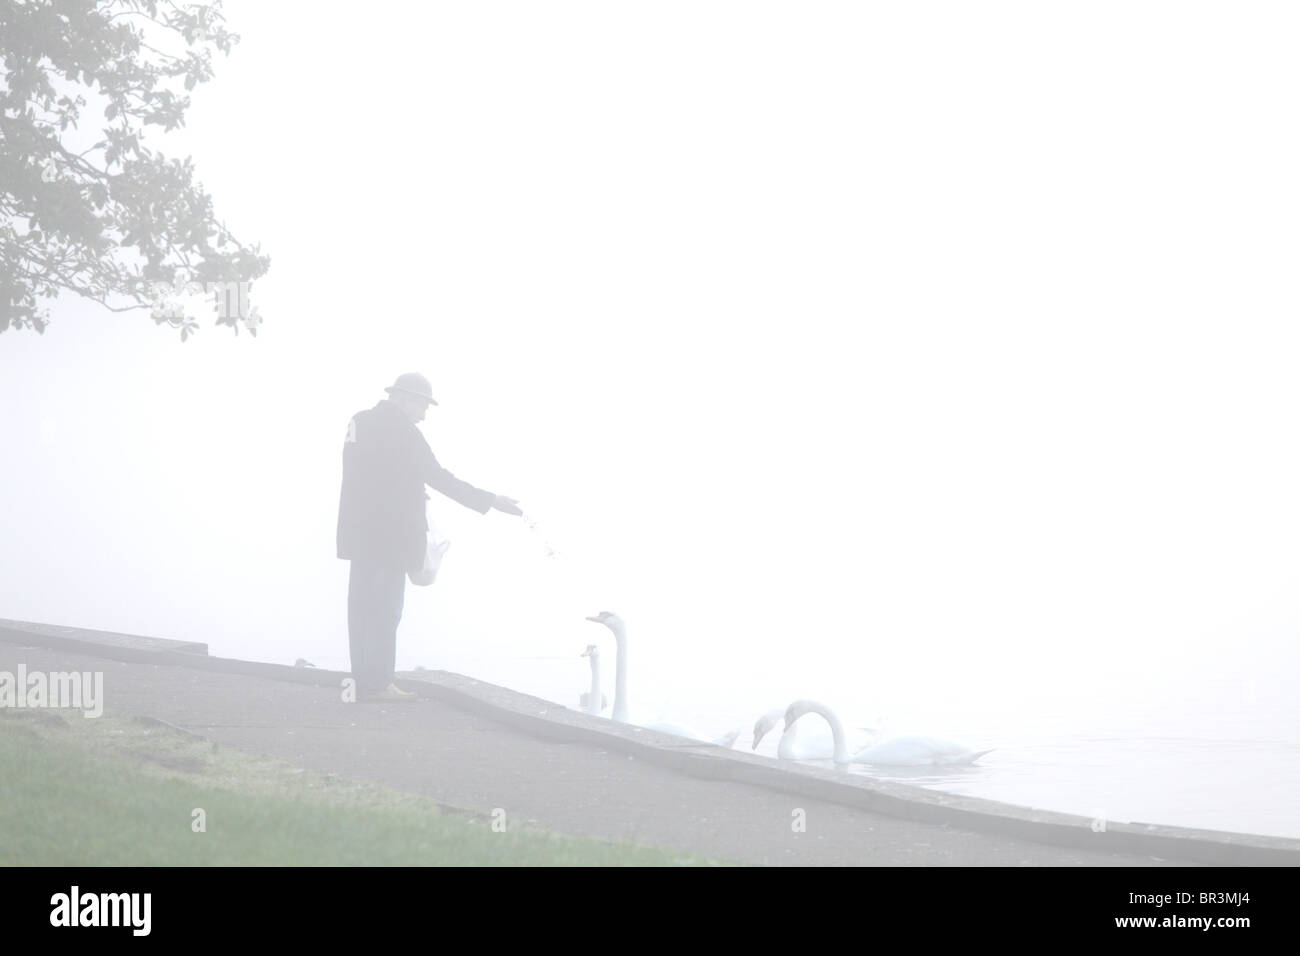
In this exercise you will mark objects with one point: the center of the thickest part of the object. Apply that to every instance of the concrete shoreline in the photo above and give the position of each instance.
(553, 722)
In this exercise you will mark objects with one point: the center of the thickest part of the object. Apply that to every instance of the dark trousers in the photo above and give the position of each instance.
(375, 597)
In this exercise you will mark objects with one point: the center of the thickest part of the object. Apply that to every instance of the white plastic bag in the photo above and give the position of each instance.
(435, 548)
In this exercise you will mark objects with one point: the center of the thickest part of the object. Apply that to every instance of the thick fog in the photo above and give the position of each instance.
(929, 365)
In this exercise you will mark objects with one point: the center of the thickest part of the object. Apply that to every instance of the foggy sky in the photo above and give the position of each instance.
(844, 346)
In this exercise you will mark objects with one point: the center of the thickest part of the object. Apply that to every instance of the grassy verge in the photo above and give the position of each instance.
(117, 791)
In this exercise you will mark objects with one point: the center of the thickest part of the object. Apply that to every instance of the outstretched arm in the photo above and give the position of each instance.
(440, 479)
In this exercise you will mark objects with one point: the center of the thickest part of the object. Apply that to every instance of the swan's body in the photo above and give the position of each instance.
(593, 702)
(918, 752)
(898, 752)
(619, 630)
(810, 744)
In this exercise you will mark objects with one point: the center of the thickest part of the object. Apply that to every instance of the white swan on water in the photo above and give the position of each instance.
(898, 752)
(812, 744)
(619, 630)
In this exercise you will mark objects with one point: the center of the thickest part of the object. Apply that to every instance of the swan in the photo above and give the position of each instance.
(898, 752)
(619, 630)
(593, 701)
(817, 745)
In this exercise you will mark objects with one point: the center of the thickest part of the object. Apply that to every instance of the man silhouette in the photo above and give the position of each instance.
(382, 526)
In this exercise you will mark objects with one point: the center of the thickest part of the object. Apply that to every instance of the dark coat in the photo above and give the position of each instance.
(386, 464)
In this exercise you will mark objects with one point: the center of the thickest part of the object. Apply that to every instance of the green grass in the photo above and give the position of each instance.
(115, 791)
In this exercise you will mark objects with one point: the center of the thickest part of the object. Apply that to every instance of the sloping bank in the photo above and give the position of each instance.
(551, 721)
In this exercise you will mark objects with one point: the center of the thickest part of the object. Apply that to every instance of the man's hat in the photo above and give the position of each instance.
(413, 383)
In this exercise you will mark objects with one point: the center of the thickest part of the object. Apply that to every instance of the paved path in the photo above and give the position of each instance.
(475, 763)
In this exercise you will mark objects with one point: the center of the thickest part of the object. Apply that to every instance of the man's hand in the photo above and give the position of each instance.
(508, 505)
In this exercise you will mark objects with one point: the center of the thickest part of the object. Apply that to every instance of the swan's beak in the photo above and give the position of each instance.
(596, 618)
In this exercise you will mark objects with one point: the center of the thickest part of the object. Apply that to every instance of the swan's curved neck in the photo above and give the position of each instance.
(837, 730)
(620, 671)
(593, 702)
